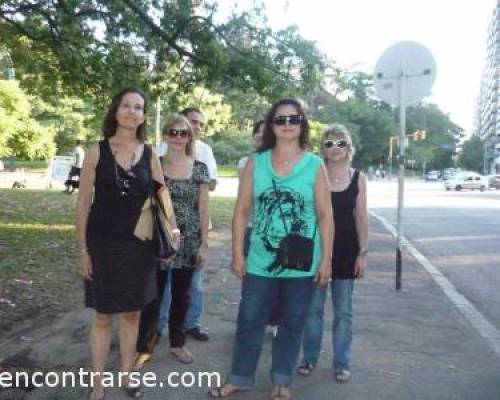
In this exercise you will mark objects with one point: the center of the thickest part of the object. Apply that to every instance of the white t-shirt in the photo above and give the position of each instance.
(242, 163)
(78, 155)
(202, 152)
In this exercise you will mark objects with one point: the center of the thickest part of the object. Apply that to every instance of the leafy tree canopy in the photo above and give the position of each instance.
(94, 47)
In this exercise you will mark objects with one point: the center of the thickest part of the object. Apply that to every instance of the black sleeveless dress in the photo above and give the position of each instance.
(346, 244)
(124, 276)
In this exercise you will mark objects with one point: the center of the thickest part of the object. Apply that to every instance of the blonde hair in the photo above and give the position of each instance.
(177, 119)
(340, 131)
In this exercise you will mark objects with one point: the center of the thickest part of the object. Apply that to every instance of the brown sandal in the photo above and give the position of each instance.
(182, 355)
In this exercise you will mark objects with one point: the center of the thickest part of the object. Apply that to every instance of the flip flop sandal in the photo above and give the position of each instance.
(342, 375)
(217, 392)
(305, 369)
(281, 392)
(185, 358)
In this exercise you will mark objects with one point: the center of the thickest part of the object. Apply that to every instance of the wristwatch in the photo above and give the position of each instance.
(363, 252)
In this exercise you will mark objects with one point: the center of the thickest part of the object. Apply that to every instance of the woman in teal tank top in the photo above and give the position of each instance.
(285, 189)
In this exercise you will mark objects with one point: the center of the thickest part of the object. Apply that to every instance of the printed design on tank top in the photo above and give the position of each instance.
(268, 220)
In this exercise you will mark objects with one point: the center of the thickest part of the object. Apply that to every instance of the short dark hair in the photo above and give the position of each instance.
(78, 142)
(257, 125)
(110, 124)
(188, 110)
(269, 137)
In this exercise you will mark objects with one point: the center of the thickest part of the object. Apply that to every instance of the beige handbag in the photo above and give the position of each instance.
(144, 227)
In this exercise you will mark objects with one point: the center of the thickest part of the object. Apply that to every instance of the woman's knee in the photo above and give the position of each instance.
(130, 317)
(103, 321)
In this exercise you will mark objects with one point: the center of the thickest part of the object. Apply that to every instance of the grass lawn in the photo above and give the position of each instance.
(227, 170)
(37, 252)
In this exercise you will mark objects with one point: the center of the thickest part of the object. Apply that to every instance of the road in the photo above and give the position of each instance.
(459, 233)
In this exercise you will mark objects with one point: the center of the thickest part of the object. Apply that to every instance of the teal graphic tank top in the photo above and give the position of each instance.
(295, 194)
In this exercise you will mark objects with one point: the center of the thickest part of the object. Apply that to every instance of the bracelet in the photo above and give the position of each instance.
(176, 231)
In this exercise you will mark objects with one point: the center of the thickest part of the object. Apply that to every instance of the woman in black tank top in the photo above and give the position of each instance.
(348, 194)
(119, 269)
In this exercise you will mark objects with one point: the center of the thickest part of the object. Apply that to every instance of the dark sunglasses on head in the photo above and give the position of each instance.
(288, 120)
(177, 133)
(341, 144)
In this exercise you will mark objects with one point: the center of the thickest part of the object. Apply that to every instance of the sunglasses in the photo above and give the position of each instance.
(288, 120)
(177, 133)
(341, 144)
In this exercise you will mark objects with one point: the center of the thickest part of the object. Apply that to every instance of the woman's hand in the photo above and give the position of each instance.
(323, 274)
(238, 266)
(85, 266)
(360, 267)
(201, 258)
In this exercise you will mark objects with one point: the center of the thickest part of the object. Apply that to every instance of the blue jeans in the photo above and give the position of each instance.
(166, 300)
(259, 295)
(196, 300)
(342, 324)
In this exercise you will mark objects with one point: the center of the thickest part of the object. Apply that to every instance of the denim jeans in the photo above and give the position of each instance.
(196, 300)
(166, 300)
(342, 324)
(259, 295)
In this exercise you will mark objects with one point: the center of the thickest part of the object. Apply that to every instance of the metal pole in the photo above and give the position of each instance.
(401, 161)
(158, 114)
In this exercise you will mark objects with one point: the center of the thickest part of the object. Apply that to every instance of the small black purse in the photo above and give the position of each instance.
(163, 247)
(162, 240)
(295, 251)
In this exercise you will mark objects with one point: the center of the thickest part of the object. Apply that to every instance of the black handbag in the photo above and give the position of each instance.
(295, 251)
(163, 247)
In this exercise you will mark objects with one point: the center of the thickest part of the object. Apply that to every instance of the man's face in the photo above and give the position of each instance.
(196, 120)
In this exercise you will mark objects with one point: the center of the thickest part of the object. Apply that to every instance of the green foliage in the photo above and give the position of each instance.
(229, 146)
(93, 48)
(472, 155)
(442, 134)
(20, 134)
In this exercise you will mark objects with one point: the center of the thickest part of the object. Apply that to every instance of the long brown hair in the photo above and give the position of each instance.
(110, 123)
(269, 137)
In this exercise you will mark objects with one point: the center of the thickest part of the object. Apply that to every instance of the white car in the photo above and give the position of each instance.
(467, 180)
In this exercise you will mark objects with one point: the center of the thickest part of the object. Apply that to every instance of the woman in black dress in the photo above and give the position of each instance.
(118, 268)
(348, 195)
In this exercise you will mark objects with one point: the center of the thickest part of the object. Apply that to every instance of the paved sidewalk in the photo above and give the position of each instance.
(411, 344)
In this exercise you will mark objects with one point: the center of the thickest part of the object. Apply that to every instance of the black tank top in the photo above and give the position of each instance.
(345, 245)
(112, 214)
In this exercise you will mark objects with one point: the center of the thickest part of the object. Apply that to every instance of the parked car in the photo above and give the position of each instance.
(432, 176)
(467, 180)
(494, 182)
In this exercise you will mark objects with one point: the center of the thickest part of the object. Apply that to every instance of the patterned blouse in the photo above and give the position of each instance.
(185, 194)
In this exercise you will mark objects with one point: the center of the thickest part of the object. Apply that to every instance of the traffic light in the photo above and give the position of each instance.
(421, 134)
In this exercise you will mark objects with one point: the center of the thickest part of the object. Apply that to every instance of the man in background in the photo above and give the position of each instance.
(73, 180)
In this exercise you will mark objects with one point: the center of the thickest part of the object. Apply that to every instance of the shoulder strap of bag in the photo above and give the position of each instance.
(278, 197)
